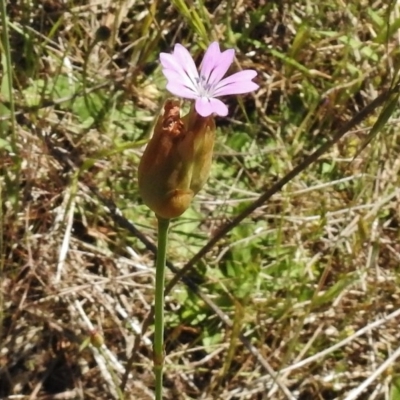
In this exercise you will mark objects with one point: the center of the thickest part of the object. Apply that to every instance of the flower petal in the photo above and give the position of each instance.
(205, 107)
(168, 61)
(238, 83)
(224, 62)
(182, 79)
(245, 75)
(210, 60)
(183, 57)
(236, 88)
(181, 90)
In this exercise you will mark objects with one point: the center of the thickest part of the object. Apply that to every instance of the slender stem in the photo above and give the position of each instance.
(7, 69)
(158, 350)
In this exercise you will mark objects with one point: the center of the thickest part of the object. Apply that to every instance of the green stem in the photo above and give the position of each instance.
(158, 349)
(7, 80)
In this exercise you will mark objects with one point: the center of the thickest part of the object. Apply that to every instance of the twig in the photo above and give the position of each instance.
(67, 236)
(355, 393)
(342, 343)
(101, 362)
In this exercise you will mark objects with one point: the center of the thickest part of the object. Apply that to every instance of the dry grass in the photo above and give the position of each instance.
(306, 287)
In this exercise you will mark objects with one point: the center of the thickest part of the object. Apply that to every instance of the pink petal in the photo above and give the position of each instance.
(224, 62)
(236, 88)
(183, 57)
(237, 83)
(210, 60)
(181, 91)
(205, 107)
(245, 75)
(174, 76)
(169, 61)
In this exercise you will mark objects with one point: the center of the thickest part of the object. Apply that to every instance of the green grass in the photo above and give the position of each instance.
(275, 278)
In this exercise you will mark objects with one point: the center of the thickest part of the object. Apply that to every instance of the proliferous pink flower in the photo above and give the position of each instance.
(185, 81)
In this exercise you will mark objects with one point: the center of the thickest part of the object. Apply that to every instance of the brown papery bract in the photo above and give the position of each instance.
(176, 162)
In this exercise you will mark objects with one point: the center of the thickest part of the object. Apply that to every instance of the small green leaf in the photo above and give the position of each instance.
(4, 144)
(395, 388)
(84, 344)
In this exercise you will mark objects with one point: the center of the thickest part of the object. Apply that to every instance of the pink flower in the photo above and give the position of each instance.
(184, 80)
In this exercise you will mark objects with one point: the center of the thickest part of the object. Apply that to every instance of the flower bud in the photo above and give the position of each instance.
(96, 339)
(177, 160)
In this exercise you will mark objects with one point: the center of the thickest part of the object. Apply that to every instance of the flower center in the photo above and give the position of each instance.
(204, 88)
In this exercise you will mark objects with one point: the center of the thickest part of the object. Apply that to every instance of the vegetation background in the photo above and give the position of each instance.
(307, 286)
